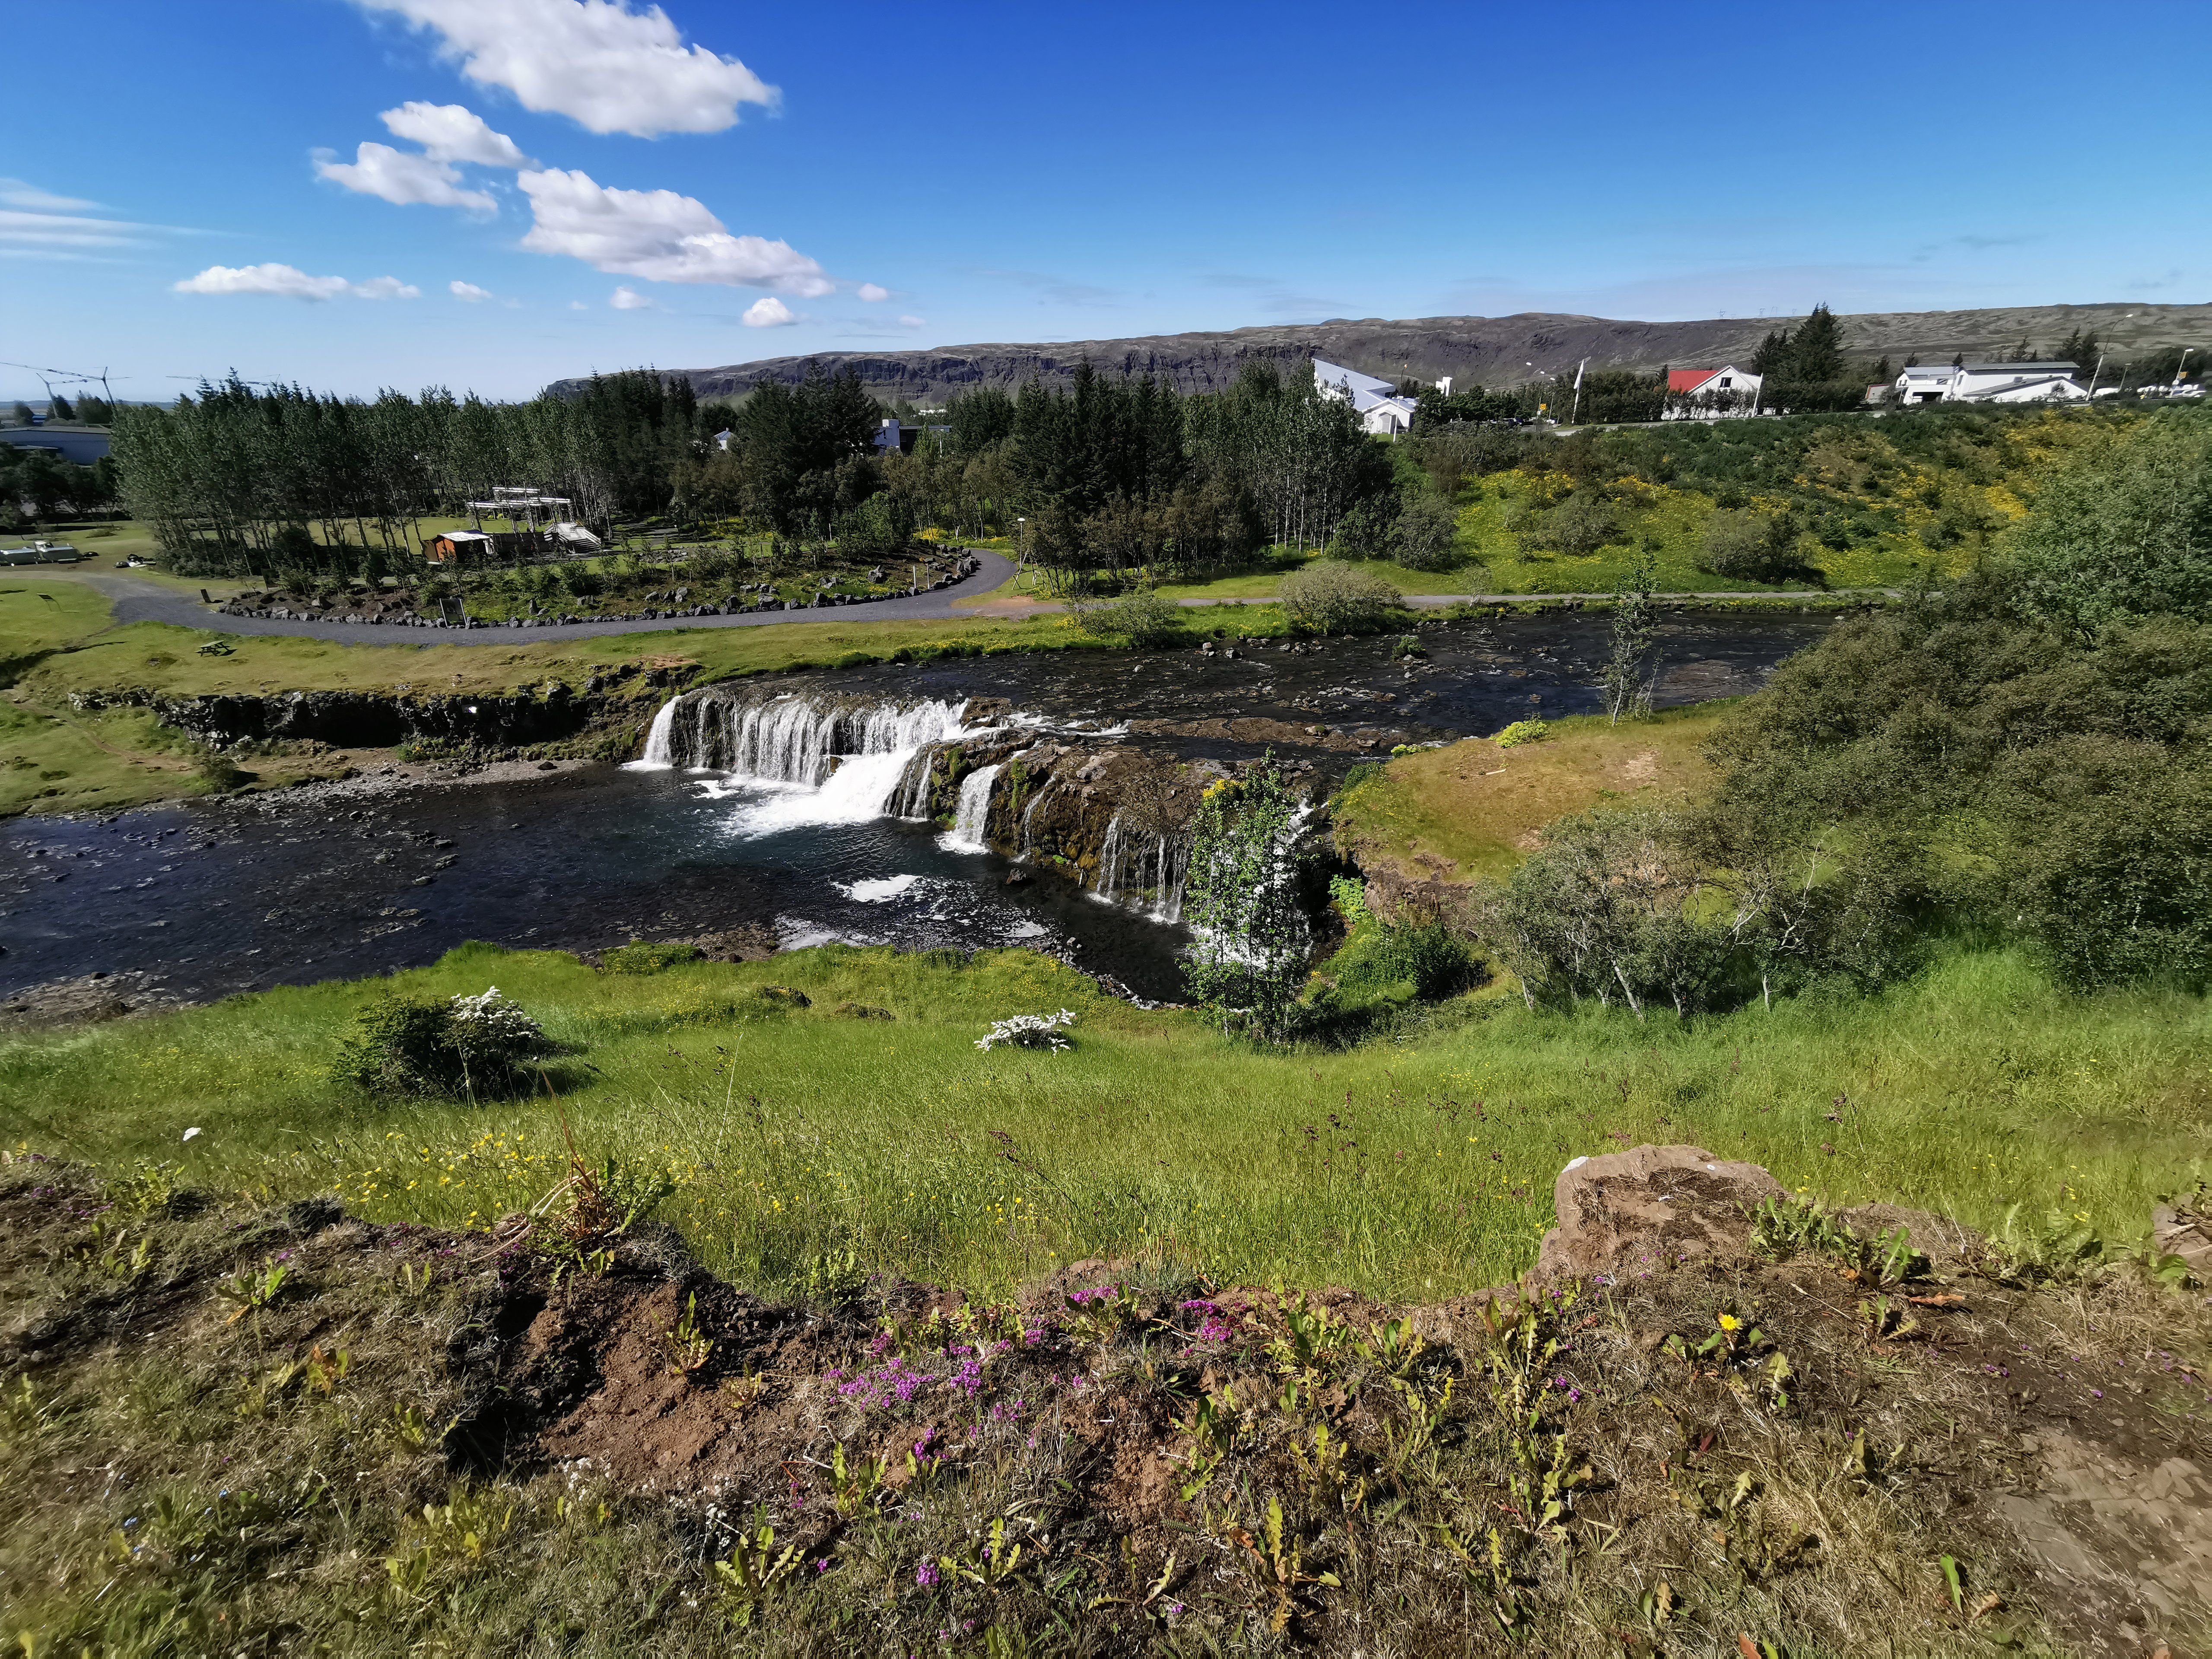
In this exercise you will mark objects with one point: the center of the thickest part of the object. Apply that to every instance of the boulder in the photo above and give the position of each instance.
(1649, 1207)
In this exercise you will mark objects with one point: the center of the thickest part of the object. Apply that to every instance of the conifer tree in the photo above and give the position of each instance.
(1816, 353)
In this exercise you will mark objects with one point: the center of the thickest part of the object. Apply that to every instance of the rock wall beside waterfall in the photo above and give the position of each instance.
(553, 713)
(1111, 814)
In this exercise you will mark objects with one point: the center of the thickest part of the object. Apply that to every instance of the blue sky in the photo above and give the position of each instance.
(183, 189)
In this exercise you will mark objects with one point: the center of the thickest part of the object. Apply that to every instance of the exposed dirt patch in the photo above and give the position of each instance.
(1791, 1447)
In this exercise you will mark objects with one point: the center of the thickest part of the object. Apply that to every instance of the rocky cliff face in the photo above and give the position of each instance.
(553, 713)
(1491, 351)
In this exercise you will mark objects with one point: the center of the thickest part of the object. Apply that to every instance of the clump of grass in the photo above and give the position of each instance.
(638, 957)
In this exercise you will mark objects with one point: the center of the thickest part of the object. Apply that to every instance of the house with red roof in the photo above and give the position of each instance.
(1705, 394)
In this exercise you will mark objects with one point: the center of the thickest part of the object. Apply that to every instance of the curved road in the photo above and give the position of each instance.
(137, 599)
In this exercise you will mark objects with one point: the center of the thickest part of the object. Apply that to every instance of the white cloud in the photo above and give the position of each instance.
(404, 177)
(605, 67)
(659, 235)
(290, 282)
(769, 312)
(628, 299)
(16, 193)
(871, 294)
(38, 223)
(578, 305)
(453, 132)
(470, 292)
(911, 322)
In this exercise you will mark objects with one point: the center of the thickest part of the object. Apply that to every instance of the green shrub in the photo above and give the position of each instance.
(1522, 732)
(467, 1045)
(1750, 546)
(1329, 597)
(1145, 618)
(1423, 955)
(640, 957)
(1359, 772)
(217, 771)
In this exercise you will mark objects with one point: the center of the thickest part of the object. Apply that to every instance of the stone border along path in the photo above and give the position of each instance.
(137, 599)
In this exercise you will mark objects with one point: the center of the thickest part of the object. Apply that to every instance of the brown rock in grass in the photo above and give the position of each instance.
(1649, 1207)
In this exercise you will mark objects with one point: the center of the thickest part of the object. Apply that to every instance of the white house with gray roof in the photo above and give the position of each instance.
(1990, 383)
(1381, 409)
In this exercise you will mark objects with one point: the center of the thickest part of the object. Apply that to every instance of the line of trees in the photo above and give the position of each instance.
(235, 479)
(1111, 475)
(35, 485)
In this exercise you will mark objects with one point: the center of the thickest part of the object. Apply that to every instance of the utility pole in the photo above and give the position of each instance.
(1575, 410)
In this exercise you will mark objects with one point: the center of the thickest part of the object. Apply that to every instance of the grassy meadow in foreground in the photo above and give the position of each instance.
(1414, 1169)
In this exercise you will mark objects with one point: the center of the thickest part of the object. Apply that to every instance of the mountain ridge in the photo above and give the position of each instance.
(1490, 351)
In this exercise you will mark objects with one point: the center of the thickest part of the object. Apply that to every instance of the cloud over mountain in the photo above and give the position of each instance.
(657, 235)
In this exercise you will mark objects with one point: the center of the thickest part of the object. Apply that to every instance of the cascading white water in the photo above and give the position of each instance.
(973, 816)
(1144, 873)
(657, 754)
(844, 759)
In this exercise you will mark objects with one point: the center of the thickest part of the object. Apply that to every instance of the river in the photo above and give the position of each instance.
(218, 896)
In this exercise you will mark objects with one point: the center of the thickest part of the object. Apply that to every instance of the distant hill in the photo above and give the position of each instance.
(1490, 351)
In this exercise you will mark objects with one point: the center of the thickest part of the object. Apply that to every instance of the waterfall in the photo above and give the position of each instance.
(973, 817)
(852, 756)
(1146, 873)
(1036, 800)
(656, 738)
(1109, 861)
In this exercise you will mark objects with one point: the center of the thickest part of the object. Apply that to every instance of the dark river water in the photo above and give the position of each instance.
(242, 894)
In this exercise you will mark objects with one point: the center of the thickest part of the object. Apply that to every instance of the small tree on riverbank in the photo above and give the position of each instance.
(1635, 627)
(1247, 957)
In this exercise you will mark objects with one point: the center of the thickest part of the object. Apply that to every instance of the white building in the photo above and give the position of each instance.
(1990, 383)
(1705, 394)
(1923, 383)
(1381, 411)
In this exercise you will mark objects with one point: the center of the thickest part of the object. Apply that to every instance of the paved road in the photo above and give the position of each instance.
(137, 599)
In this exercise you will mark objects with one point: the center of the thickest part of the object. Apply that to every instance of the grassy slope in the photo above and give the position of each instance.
(52, 757)
(1472, 809)
(1421, 1170)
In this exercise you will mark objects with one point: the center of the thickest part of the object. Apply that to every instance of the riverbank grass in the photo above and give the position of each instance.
(1475, 808)
(1419, 1168)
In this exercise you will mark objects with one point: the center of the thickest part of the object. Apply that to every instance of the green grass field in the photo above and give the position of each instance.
(1418, 1169)
(1472, 809)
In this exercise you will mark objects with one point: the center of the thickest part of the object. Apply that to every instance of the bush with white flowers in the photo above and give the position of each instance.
(467, 1045)
(1031, 1031)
